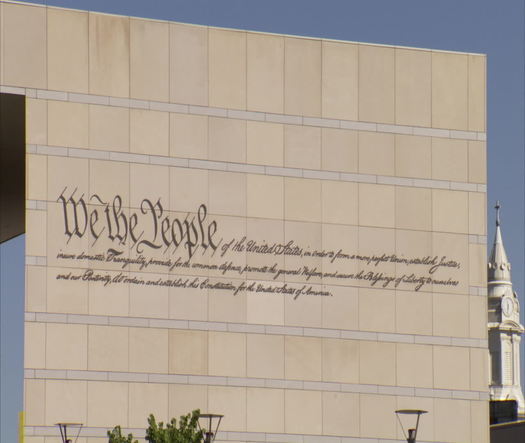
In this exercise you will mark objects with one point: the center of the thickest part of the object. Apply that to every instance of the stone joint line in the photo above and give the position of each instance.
(211, 380)
(47, 431)
(43, 317)
(213, 165)
(45, 94)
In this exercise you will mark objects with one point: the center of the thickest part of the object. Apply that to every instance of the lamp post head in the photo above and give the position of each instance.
(209, 433)
(412, 432)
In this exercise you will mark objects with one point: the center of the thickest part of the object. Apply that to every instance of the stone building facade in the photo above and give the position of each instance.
(288, 231)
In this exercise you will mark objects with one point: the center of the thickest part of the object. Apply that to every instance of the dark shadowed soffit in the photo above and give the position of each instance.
(12, 166)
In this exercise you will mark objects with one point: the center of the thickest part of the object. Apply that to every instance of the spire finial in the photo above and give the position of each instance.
(497, 207)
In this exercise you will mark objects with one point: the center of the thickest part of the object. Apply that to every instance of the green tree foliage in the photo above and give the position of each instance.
(115, 436)
(186, 431)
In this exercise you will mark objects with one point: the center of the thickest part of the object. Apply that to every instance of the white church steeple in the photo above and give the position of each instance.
(504, 326)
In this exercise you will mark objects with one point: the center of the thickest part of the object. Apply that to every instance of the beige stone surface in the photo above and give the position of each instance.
(478, 317)
(452, 420)
(67, 124)
(377, 363)
(413, 208)
(451, 367)
(34, 402)
(108, 348)
(340, 80)
(36, 233)
(265, 73)
(141, 185)
(340, 360)
(24, 46)
(450, 315)
(449, 159)
(377, 418)
(302, 77)
(114, 300)
(477, 87)
(36, 285)
(66, 346)
(107, 404)
(231, 401)
(303, 358)
(146, 399)
(264, 308)
(188, 64)
(227, 140)
(149, 132)
(148, 350)
(264, 143)
(377, 310)
(264, 196)
(376, 153)
(376, 241)
(449, 211)
(188, 352)
(227, 193)
(188, 189)
(479, 413)
(302, 412)
(454, 247)
(149, 301)
(302, 147)
(477, 220)
(65, 296)
(376, 84)
(479, 361)
(302, 199)
(185, 398)
(339, 202)
(341, 310)
(226, 354)
(65, 401)
(477, 266)
(189, 136)
(35, 345)
(265, 410)
(376, 205)
(304, 311)
(36, 177)
(413, 312)
(191, 304)
(67, 39)
(65, 173)
(477, 161)
(36, 121)
(108, 179)
(413, 156)
(449, 90)
(413, 80)
(109, 57)
(340, 413)
(339, 150)
(414, 365)
(109, 128)
(149, 59)
(227, 68)
(265, 356)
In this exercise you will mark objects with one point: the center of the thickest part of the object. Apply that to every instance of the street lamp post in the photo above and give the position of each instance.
(63, 430)
(412, 432)
(209, 434)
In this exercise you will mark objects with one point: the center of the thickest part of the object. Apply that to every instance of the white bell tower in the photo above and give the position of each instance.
(504, 326)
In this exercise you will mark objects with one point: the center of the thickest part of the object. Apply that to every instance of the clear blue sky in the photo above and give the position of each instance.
(493, 27)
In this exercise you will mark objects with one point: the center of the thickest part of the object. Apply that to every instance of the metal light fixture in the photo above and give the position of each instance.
(209, 434)
(63, 431)
(412, 432)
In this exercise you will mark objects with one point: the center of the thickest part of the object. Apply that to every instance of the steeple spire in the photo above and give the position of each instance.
(499, 266)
